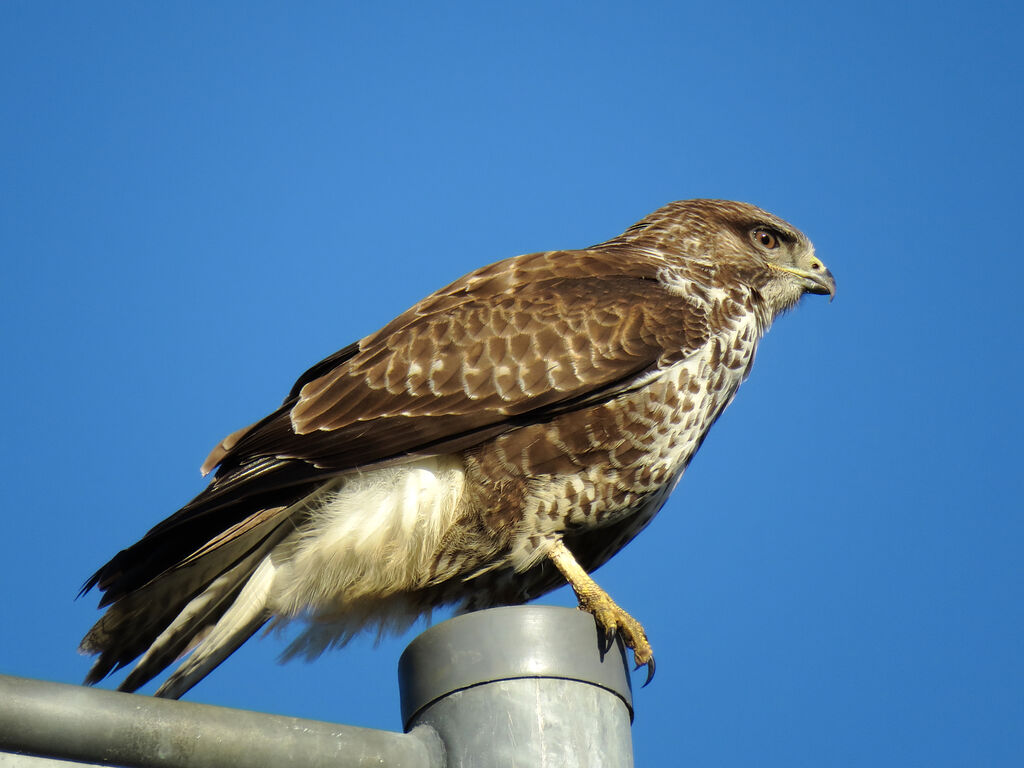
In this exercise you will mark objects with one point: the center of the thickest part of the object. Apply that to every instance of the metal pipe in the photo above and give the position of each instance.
(509, 686)
(89, 725)
(520, 686)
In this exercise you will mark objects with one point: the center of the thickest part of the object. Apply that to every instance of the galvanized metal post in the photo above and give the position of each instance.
(522, 686)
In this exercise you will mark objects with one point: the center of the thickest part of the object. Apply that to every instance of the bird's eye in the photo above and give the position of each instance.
(766, 238)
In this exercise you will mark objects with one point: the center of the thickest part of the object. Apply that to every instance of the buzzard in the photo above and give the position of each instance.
(507, 434)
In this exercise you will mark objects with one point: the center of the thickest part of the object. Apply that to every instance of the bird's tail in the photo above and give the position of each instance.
(246, 613)
(209, 604)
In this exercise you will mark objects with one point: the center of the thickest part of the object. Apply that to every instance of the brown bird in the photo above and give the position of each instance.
(507, 434)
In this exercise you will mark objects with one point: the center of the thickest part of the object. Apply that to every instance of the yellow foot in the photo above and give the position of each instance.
(609, 616)
(613, 619)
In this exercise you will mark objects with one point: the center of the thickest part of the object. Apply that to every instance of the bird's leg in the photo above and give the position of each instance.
(610, 617)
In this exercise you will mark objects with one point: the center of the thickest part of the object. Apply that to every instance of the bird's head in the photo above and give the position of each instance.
(775, 258)
(743, 243)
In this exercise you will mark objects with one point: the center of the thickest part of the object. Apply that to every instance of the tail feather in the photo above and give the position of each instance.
(130, 625)
(192, 626)
(168, 616)
(246, 614)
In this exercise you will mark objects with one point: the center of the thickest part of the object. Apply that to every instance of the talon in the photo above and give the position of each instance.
(650, 672)
(644, 658)
(609, 639)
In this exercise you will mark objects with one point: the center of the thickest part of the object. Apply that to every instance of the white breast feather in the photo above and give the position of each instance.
(369, 533)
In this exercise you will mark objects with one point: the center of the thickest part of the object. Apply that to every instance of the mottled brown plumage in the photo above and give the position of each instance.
(509, 432)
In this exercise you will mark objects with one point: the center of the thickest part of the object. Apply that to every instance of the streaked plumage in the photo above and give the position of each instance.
(511, 431)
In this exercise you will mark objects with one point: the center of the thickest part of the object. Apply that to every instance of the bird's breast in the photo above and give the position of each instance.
(592, 467)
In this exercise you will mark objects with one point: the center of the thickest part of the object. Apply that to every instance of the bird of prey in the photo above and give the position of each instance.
(506, 435)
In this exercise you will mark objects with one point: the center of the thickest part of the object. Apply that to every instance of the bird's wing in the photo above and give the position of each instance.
(450, 379)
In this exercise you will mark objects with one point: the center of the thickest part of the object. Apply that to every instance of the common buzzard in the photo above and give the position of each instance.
(507, 434)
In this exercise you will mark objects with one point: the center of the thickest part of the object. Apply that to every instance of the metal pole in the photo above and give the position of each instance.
(95, 726)
(523, 686)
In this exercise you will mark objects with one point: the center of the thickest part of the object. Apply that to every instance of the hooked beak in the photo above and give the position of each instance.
(818, 281)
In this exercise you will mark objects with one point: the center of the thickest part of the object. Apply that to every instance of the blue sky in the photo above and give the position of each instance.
(200, 200)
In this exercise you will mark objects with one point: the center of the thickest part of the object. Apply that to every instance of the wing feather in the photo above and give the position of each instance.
(592, 335)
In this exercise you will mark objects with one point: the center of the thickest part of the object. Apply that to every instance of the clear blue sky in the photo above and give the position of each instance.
(200, 200)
